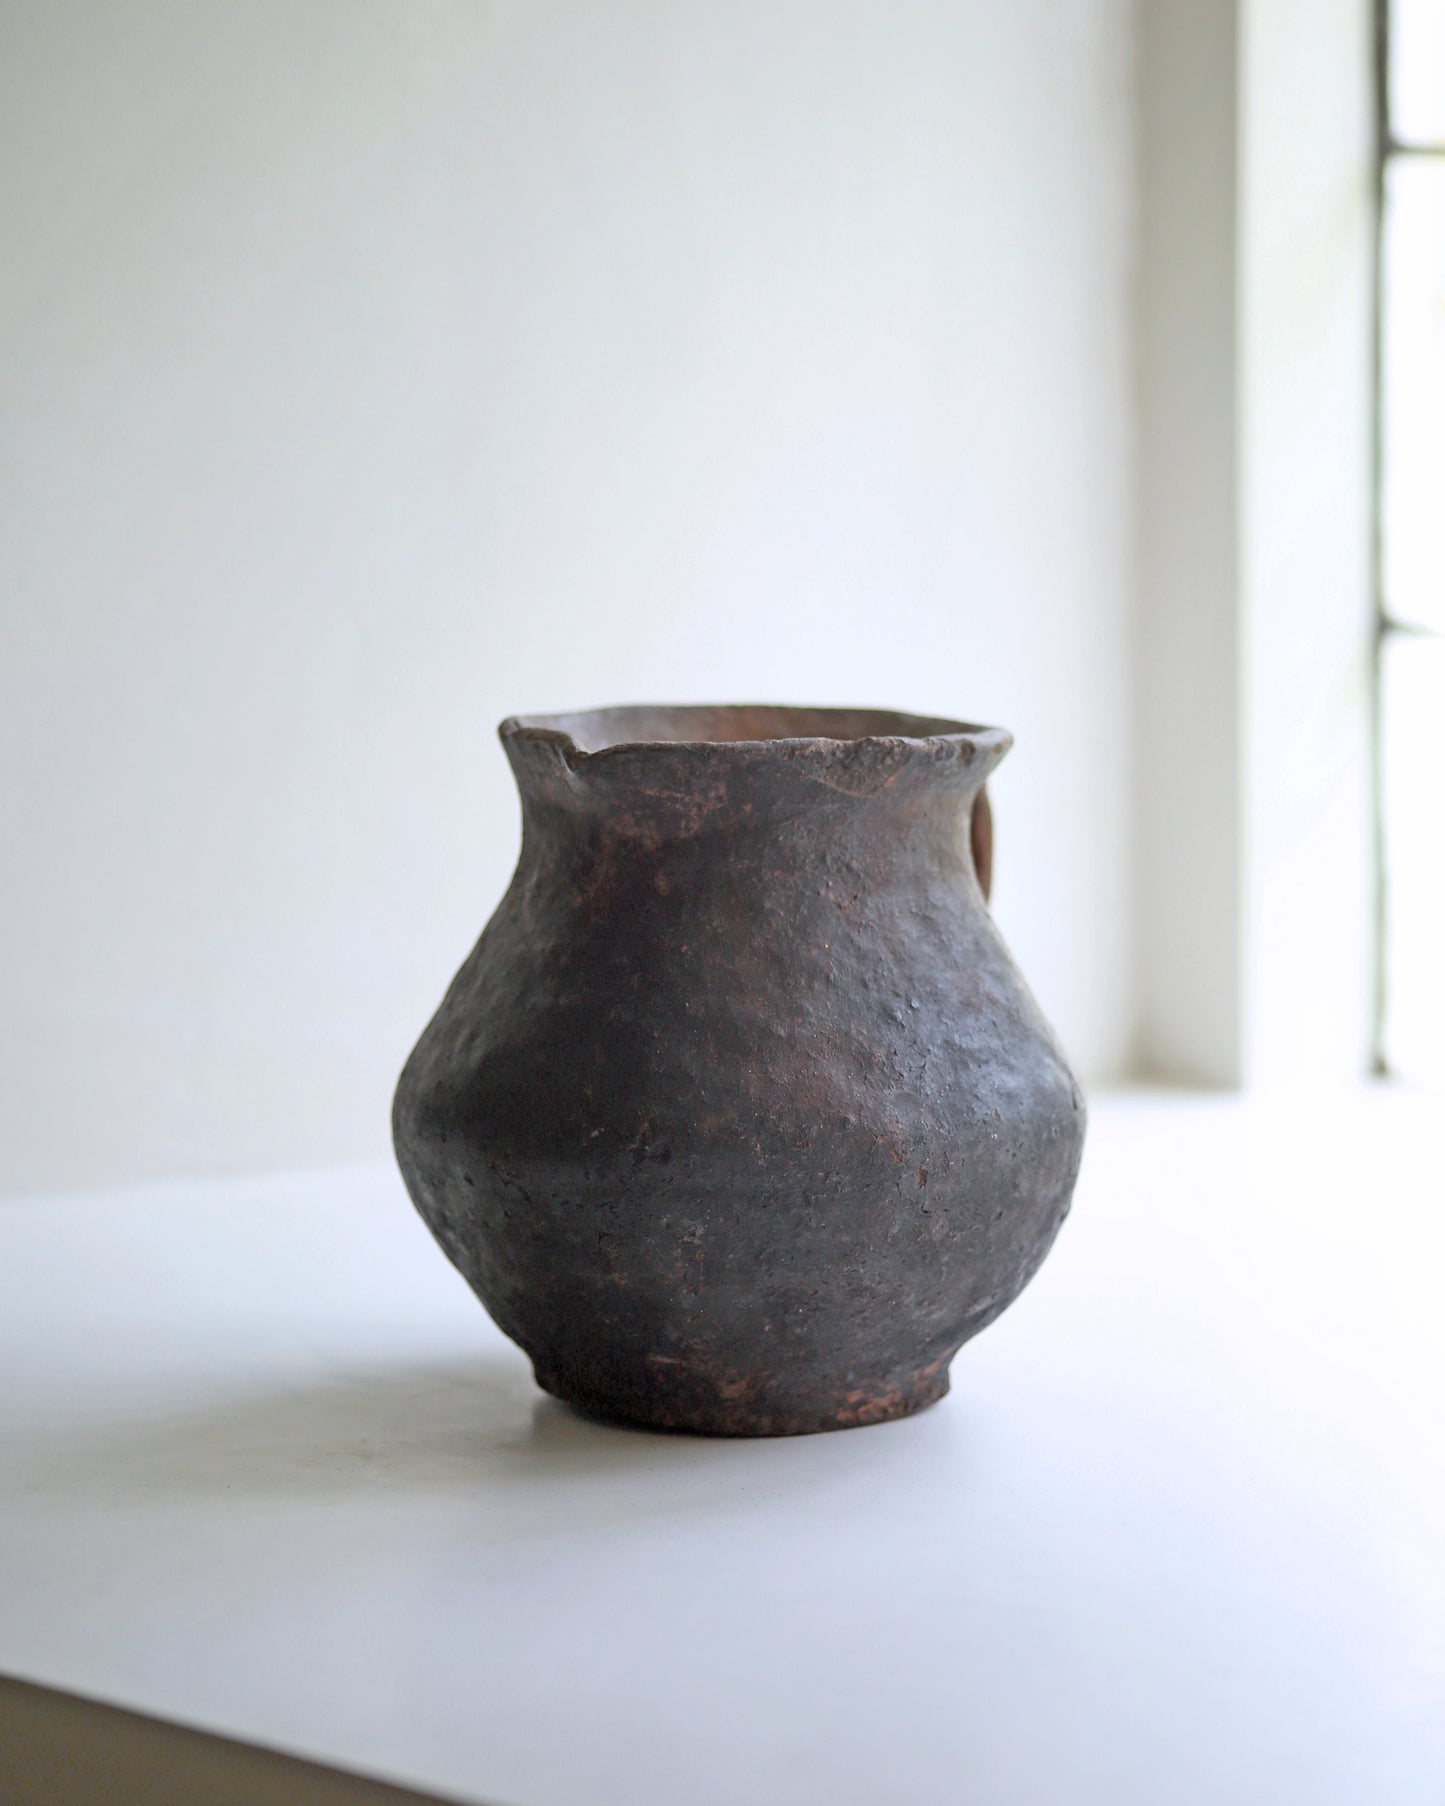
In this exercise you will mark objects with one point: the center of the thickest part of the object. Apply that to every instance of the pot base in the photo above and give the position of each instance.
(731, 1412)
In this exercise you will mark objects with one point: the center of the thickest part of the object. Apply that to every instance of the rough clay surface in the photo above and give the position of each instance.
(739, 1117)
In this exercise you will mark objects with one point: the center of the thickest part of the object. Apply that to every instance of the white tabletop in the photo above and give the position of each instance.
(1177, 1538)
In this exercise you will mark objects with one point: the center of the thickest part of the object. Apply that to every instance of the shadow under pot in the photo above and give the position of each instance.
(739, 1117)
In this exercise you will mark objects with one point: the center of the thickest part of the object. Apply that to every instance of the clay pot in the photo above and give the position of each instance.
(739, 1117)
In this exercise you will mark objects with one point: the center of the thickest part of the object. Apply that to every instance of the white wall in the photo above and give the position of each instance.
(1190, 786)
(374, 370)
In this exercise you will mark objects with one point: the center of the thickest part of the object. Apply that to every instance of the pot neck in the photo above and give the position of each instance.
(656, 790)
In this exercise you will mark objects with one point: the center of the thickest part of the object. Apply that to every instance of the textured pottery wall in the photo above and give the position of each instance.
(373, 371)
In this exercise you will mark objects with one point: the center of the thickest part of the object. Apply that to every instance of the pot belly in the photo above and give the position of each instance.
(701, 1222)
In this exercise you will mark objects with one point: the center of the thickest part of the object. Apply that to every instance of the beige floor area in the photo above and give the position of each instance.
(59, 1750)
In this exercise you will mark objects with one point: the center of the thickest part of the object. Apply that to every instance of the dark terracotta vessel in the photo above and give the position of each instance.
(739, 1117)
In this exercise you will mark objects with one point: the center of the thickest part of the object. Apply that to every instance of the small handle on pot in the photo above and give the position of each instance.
(980, 841)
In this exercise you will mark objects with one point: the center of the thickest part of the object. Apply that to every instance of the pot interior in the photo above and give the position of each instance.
(731, 723)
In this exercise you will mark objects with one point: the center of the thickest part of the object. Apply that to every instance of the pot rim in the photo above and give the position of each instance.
(586, 734)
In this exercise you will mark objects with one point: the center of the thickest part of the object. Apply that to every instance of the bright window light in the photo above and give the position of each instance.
(1417, 71)
(1412, 528)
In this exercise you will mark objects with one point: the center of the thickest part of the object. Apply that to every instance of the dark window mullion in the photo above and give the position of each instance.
(1385, 148)
(1407, 630)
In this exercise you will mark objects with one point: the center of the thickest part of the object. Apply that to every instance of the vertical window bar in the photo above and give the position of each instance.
(1381, 959)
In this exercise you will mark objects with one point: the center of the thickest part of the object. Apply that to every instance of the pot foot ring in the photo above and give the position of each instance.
(744, 1407)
